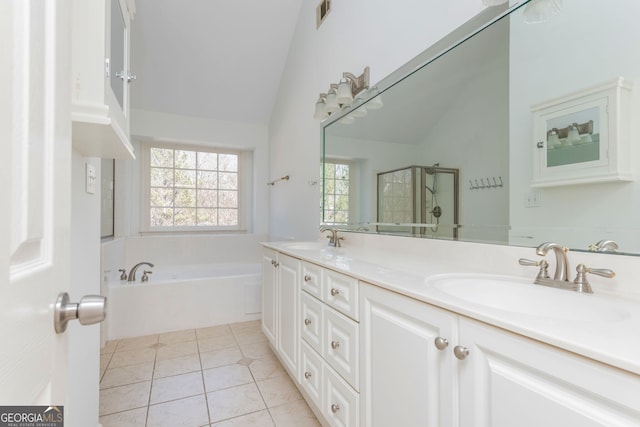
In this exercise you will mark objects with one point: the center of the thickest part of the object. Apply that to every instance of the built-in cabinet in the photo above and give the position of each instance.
(390, 360)
(101, 75)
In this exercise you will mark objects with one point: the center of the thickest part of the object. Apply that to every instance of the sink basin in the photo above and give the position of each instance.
(305, 246)
(517, 295)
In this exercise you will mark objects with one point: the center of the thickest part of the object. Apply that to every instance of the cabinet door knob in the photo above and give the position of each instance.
(307, 375)
(335, 292)
(441, 343)
(307, 322)
(335, 344)
(335, 408)
(274, 263)
(461, 352)
(307, 278)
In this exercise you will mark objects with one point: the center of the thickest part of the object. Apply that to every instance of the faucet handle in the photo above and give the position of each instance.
(145, 278)
(123, 276)
(581, 277)
(543, 264)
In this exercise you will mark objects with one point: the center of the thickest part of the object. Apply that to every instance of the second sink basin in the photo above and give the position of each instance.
(520, 296)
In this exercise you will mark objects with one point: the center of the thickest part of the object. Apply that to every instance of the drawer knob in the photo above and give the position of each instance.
(335, 408)
(461, 352)
(307, 278)
(307, 322)
(335, 344)
(335, 292)
(441, 343)
(307, 375)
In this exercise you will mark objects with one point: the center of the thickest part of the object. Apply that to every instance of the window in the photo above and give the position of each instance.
(336, 192)
(191, 188)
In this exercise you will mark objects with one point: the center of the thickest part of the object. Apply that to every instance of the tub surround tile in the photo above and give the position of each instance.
(216, 343)
(132, 418)
(176, 387)
(216, 358)
(256, 419)
(178, 336)
(294, 414)
(132, 357)
(114, 377)
(123, 398)
(179, 349)
(177, 366)
(226, 376)
(278, 391)
(188, 412)
(233, 402)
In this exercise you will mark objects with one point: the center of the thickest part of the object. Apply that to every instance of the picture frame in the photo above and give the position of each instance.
(583, 137)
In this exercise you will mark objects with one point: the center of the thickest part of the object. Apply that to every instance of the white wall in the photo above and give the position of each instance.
(84, 341)
(383, 35)
(539, 72)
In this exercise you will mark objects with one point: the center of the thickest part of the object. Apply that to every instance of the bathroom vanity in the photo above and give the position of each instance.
(374, 337)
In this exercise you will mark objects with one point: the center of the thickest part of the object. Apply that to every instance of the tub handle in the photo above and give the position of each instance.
(145, 278)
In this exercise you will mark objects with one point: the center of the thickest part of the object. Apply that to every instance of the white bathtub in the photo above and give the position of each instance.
(184, 297)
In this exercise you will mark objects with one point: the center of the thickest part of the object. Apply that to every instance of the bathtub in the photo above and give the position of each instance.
(183, 297)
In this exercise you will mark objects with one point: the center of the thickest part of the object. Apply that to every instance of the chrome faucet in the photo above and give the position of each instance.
(132, 273)
(334, 240)
(562, 262)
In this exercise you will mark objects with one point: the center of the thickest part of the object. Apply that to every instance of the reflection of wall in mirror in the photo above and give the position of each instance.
(571, 215)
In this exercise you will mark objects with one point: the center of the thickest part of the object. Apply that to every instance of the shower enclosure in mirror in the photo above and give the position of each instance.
(419, 200)
(467, 103)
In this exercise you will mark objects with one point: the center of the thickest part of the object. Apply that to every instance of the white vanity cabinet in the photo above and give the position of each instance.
(482, 376)
(329, 366)
(101, 76)
(405, 379)
(280, 306)
(509, 380)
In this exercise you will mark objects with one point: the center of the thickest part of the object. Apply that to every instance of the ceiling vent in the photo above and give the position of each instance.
(322, 11)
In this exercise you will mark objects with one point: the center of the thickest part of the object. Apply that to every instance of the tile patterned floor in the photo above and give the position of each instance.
(222, 376)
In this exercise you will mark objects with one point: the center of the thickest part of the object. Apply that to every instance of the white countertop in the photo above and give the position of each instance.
(614, 340)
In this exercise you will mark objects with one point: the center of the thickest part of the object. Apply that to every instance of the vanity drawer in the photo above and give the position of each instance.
(341, 292)
(311, 319)
(311, 373)
(341, 403)
(340, 345)
(312, 279)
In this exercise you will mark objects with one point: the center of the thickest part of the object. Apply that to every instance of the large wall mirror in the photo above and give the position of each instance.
(535, 113)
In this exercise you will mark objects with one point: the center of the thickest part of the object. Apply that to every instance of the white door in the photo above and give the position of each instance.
(35, 168)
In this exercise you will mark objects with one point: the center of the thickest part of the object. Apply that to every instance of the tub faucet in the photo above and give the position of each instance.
(562, 262)
(132, 273)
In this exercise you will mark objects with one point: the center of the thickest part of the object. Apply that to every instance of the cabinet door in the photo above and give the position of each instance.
(508, 380)
(269, 278)
(405, 379)
(288, 336)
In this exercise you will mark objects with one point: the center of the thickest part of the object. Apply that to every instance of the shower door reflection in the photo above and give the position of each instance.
(419, 200)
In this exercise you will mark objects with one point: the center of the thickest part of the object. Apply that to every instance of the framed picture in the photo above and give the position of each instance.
(583, 137)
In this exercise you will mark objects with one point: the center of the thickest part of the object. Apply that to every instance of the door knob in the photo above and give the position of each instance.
(91, 309)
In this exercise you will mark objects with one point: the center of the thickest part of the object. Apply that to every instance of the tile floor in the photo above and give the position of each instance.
(222, 376)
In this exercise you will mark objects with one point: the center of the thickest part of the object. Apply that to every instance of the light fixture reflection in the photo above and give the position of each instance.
(537, 11)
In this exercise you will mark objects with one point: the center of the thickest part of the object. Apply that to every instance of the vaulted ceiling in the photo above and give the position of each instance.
(219, 59)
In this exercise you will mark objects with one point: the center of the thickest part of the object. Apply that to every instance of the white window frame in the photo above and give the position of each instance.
(352, 193)
(245, 188)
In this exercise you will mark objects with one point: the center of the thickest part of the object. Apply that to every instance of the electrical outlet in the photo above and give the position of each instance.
(533, 199)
